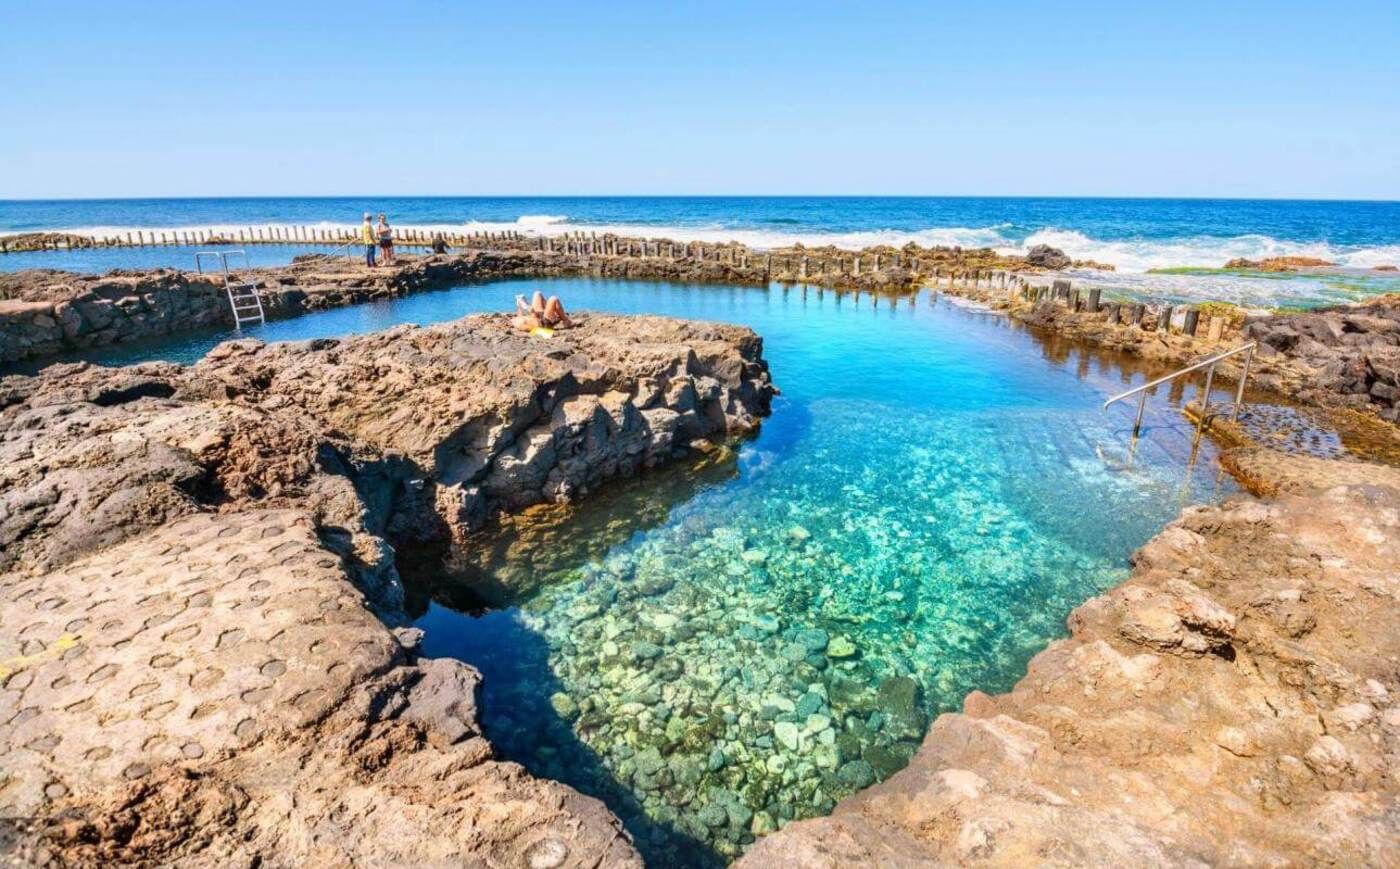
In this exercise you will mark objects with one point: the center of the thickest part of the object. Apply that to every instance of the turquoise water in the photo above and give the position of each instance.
(1133, 235)
(718, 649)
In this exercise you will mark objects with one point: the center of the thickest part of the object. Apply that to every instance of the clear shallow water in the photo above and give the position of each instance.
(1134, 235)
(715, 650)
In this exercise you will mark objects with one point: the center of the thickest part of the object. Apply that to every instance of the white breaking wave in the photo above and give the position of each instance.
(1145, 254)
(535, 220)
(1127, 256)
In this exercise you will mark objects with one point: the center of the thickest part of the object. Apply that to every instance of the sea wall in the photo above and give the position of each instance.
(48, 312)
(1234, 702)
(200, 610)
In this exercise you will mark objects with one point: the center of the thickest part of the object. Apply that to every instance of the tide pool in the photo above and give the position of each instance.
(727, 645)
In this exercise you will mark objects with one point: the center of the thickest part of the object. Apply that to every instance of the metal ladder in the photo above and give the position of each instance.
(243, 296)
(1208, 364)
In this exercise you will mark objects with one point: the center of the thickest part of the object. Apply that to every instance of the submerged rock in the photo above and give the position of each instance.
(1084, 758)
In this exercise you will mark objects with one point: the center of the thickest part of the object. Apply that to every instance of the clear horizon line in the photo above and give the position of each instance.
(563, 196)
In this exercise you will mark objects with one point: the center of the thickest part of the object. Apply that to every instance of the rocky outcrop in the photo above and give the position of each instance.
(199, 579)
(1047, 257)
(1340, 357)
(1278, 263)
(26, 241)
(215, 691)
(1234, 702)
(1349, 356)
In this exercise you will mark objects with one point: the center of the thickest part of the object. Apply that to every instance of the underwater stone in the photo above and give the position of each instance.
(809, 704)
(714, 816)
(898, 698)
(813, 639)
(763, 824)
(644, 651)
(856, 773)
(794, 652)
(755, 557)
(649, 761)
(716, 760)
(564, 705)
(664, 621)
(768, 624)
(787, 734)
(841, 647)
(887, 760)
(655, 585)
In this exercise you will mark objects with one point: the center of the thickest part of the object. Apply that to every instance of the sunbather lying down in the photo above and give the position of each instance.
(540, 314)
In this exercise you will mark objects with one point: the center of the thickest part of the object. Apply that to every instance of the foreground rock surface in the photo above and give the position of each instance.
(1232, 703)
(200, 577)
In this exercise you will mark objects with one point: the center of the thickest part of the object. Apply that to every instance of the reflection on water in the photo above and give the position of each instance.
(724, 648)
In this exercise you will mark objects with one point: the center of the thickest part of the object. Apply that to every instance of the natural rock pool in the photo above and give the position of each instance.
(716, 650)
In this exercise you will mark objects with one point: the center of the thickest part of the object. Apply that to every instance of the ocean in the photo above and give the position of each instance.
(1164, 247)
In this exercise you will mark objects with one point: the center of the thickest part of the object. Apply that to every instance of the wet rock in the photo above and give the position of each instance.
(841, 647)
(898, 700)
(788, 735)
(1045, 256)
(563, 705)
(856, 774)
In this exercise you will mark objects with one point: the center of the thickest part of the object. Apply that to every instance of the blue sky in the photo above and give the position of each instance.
(1185, 98)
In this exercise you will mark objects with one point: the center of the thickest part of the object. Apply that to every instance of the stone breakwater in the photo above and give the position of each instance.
(1346, 356)
(46, 312)
(1233, 702)
(199, 584)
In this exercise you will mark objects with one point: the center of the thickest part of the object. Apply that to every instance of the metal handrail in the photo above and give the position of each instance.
(1208, 364)
(222, 256)
(234, 289)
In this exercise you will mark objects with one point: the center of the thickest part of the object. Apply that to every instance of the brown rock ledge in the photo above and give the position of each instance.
(198, 585)
(1232, 703)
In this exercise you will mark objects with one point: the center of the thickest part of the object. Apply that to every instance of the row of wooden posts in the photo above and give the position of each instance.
(1168, 318)
(262, 235)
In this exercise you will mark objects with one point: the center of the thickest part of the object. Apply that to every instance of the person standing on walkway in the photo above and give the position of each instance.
(367, 237)
(386, 240)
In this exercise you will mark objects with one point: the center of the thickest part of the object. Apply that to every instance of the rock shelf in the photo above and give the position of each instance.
(199, 584)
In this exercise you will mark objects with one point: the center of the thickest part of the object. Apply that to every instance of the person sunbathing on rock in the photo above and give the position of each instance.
(540, 313)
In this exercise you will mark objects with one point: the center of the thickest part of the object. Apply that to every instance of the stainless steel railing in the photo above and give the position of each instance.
(1209, 365)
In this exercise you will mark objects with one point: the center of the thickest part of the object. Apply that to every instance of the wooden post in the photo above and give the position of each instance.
(1094, 301)
(1139, 310)
(1074, 301)
(1164, 320)
(1193, 319)
(1216, 330)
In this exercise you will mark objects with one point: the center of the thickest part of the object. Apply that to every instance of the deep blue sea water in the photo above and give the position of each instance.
(719, 648)
(1133, 235)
